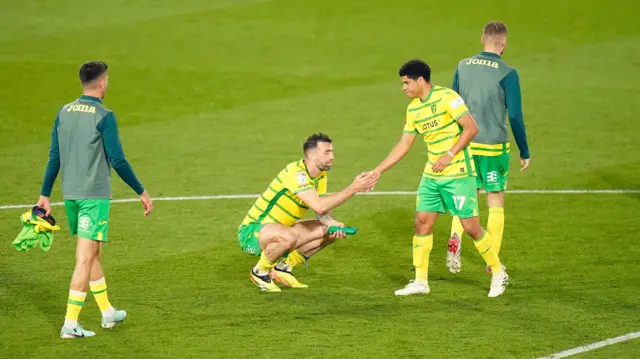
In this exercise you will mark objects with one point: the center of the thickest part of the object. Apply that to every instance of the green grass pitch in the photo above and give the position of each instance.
(215, 97)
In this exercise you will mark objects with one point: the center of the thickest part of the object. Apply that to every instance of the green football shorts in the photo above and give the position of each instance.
(248, 238)
(492, 172)
(89, 218)
(458, 196)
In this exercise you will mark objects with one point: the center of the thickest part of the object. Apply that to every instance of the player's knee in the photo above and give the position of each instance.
(85, 258)
(495, 199)
(97, 257)
(423, 226)
(87, 251)
(289, 239)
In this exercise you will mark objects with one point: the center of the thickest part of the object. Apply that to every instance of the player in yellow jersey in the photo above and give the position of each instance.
(448, 183)
(272, 228)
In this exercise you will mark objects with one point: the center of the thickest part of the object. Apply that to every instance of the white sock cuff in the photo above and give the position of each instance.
(77, 293)
(96, 282)
(109, 311)
(71, 324)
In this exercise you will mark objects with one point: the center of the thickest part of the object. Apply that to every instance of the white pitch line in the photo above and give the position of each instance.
(383, 193)
(126, 200)
(586, 348)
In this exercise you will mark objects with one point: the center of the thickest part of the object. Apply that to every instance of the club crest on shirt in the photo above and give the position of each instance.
(434, 108)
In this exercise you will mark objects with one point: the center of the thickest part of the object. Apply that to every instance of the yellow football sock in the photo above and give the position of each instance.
(421, 249)
(495, 226)
(99, 290)
(74, 306)
(485, 246)
(456, 227)
(294, 258)
(265, 265)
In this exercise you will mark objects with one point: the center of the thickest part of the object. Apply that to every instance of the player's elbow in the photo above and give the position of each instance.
(118, 162)
(320, 210)
(516, 120)
(472, 129)
(475, 131)
(54, 161)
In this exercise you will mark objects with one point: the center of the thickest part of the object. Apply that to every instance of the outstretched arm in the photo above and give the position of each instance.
(397, 153)
(322, 205)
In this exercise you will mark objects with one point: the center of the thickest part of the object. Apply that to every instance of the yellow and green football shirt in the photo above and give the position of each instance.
(436, 119)
(280, 203)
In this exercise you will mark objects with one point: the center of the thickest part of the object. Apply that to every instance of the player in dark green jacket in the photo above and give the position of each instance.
(491, 89)
(85, 145)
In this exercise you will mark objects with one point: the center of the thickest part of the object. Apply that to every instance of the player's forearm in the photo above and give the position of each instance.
(333, 200)
(124, 170)
(120, 164)
(325, 218)
(397, 153)
(467, 135)
(520, 136)
(50, 174)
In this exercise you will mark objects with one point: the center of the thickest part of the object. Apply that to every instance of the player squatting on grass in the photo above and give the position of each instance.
(272, 228)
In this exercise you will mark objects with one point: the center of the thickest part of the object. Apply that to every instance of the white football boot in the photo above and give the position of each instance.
(453, 254)
(414, 287)
(498, 283)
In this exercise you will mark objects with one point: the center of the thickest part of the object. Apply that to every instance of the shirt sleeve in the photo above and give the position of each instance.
(513, 99)
(455, 106)
(409, 125)
(115, 154)
(53, 166)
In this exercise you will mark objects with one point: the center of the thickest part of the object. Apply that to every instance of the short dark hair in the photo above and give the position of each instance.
(494, 28)
(91, 70)
(313, 140)
(415, 69)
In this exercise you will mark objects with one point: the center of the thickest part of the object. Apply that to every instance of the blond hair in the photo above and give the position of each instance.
(494, 30)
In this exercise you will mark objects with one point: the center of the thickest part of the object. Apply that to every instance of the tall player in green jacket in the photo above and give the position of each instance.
(85, 145)
(491, 89)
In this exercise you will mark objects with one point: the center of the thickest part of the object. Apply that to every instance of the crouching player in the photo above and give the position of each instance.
(272, 228)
